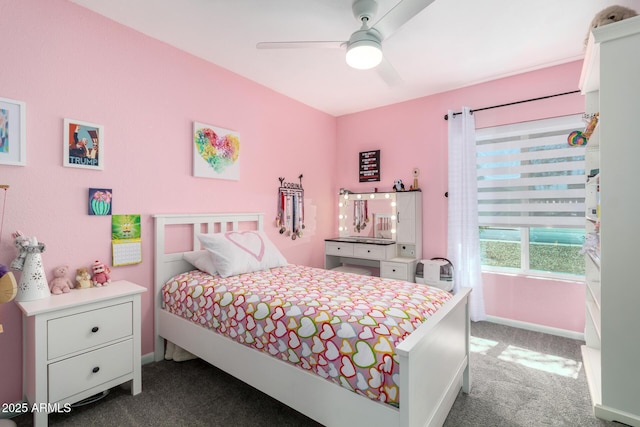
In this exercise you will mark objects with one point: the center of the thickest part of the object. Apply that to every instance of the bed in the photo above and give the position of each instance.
(433, 360)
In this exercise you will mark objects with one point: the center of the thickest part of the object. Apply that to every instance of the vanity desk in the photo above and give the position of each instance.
(378, 230)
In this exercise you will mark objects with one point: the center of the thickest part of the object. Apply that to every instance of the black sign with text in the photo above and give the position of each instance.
(370, 166)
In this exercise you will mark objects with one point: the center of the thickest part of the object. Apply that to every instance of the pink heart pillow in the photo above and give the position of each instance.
(238, 252)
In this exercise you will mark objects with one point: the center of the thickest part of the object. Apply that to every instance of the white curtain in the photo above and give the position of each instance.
(463, 235)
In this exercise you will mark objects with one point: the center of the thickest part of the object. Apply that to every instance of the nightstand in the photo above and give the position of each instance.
(80, 343)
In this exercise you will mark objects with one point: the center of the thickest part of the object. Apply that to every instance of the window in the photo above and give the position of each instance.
(531, 192)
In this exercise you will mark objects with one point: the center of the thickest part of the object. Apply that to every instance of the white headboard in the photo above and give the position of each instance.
(167, 265)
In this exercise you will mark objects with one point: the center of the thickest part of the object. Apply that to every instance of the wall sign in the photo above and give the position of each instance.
(370, 166)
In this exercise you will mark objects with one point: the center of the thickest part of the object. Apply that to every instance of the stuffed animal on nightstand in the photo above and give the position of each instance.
(60, 283)
(83, 278)
(100, 274)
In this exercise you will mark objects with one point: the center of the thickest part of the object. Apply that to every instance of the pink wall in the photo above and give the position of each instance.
(414, 134)
(147, 96)
(65, 61)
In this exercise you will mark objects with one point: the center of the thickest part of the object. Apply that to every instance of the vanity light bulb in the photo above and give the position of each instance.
(386, 196)
(393, 231)
(393, 203)
(346, 197)
(340, 205)
(359, 196)
(340, 216)
(393, 217)
(373, 196)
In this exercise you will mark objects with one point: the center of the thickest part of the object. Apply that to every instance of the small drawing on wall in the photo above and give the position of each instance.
(83, 145)
(12, 132)
(216, 152)
(100, 201)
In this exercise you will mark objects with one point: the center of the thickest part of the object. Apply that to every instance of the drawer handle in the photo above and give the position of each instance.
(393, 269)
(96, 369)
(94, 329)
(368, 251)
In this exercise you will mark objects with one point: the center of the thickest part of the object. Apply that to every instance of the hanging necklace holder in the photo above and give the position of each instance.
(290, 217)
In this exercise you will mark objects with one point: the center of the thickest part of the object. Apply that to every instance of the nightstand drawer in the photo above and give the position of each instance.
(340, 249)
(394, 270)
(82, 372)
(68, 334)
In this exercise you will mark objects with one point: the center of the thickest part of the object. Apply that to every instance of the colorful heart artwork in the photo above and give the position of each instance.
(216, 152)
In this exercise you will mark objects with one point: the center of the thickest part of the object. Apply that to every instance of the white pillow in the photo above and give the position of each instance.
(202, 260)
(237, 252)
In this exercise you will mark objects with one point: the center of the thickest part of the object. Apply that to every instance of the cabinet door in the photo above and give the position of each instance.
(406, 217)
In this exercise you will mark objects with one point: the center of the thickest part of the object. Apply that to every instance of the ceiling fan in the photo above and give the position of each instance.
(364, 47)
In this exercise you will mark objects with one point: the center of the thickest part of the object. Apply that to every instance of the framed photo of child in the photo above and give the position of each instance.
(83, 145)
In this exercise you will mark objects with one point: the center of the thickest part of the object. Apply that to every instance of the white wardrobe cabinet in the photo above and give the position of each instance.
(610, 81)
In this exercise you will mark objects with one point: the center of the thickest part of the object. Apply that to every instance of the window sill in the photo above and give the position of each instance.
(535, 275)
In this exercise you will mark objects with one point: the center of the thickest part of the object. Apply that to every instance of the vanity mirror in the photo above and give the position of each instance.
(369, 216)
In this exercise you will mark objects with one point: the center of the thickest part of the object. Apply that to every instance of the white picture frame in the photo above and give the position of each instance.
(13, 132)
(83, 145)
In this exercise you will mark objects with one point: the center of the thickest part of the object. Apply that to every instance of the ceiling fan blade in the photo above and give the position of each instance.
(389, 73)
(300, 45)
(399, 15)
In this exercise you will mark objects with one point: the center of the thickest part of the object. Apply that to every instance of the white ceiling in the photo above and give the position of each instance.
(450, 44)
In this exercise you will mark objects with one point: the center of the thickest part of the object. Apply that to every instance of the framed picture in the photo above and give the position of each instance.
(13, 128)
(100, 201)
(369, 166)
(83, 145)
(216, 152)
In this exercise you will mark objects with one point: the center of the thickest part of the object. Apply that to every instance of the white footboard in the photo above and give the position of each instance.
(434, 364)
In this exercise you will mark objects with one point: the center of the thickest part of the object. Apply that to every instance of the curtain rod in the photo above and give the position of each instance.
(446, 116)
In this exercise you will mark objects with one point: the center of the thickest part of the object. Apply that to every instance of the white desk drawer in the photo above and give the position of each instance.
(82, 372)
(394, 270)
(68, 334)
(369, 251)
(338, 248)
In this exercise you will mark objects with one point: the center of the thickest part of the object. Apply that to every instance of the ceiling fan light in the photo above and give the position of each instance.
(364, 54)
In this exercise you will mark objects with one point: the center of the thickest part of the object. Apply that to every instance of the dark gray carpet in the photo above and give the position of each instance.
(503, 393)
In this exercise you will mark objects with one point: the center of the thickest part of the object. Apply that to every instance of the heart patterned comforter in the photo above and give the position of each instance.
(341, 326)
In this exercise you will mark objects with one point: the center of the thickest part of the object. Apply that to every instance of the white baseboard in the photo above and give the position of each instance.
(147, 358)
(536, 328)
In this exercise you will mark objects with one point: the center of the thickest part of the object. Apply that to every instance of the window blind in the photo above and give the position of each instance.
(529, 176)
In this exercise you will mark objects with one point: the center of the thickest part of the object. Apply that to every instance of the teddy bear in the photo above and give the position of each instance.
(21, 242)
(60, 283)
(83, 278)
(609, 15)
(398, 185)
(100, 274)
